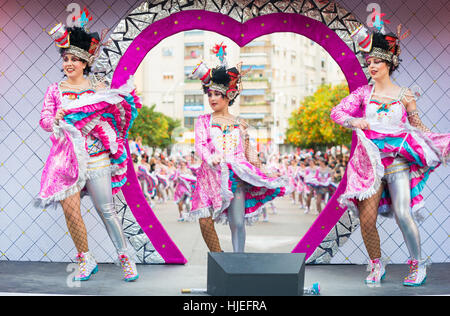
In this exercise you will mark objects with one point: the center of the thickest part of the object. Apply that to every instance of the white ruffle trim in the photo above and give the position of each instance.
(247, 175)
(111, 96)
(78, 142)
(222, 218)
(377, 169)
(431, 158)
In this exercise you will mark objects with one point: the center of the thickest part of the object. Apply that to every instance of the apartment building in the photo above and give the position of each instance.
(285, 67)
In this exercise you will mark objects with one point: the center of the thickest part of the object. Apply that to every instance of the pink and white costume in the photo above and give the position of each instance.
(291, 172)
(300, 176)
(147, 180)
(322, 180)
(184, 185)
(391, 138)
(216, 184)
(95, 121)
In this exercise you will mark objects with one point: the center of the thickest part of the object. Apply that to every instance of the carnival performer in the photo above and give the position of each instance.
(192, 163)
(147, 180)
(184, 184)
(394, 155)
(322, 183)
(271, 169)
(301, 186)
(171, 169)
(163, 181)
(291, 172)
(89, 123)
(310, 171)
(231, 187)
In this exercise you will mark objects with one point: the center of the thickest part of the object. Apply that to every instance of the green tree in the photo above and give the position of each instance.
(310, 126)
(154, 127)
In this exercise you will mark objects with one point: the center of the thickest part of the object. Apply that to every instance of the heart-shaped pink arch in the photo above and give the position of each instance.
(240, 34)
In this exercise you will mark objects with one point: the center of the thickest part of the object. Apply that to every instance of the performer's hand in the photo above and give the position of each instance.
(216, 160)
(59, 115)
(360, 123)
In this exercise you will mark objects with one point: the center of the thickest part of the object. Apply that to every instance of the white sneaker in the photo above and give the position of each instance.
(129, 268)
(417, 273)
(377, 272)
(87, 265)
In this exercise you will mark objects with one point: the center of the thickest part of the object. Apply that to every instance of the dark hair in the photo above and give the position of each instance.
(379, 40)
(81, 39)
(220, 75)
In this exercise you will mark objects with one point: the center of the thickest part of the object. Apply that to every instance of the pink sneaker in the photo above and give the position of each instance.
(417, 273)
(129, 267)
(377, 272)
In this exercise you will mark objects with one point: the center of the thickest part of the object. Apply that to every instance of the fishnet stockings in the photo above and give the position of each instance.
(368, 211)
(75, 223)
(209, 234)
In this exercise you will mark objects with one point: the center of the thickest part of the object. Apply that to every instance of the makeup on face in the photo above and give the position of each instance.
(375, 66)
(73, 65)
(216, 100)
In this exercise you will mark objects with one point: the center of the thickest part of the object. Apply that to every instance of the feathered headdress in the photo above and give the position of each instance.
(76, 40)
(221, 78)
(379, 45)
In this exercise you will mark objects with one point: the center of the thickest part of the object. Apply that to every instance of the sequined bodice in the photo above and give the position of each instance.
(385, 116)
(385, 113)
(323, 174)
(226, 139)
(94, 146)
(71, 93)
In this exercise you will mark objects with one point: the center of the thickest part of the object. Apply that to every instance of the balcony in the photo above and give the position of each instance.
(259, 108)
(254, 58)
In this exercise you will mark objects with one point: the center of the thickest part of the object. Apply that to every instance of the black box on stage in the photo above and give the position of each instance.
(255, 274)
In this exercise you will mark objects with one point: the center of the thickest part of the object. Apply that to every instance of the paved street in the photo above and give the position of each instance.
(280, 234)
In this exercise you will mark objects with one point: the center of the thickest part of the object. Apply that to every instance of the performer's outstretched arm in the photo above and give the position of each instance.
(413, 114)
(347, 110)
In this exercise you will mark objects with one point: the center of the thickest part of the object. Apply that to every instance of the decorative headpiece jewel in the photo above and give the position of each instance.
(61, 36)
(364, 41)
(233, 88)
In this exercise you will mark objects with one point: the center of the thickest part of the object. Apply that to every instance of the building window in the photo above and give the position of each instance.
(193, 50)
(189, 122)
(168, 76)
(193, 99)
(167, 51)
(188, 72)
(193, 32)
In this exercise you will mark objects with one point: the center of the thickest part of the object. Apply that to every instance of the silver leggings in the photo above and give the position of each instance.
(236, 218)
(400, 192)
(100, 191)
